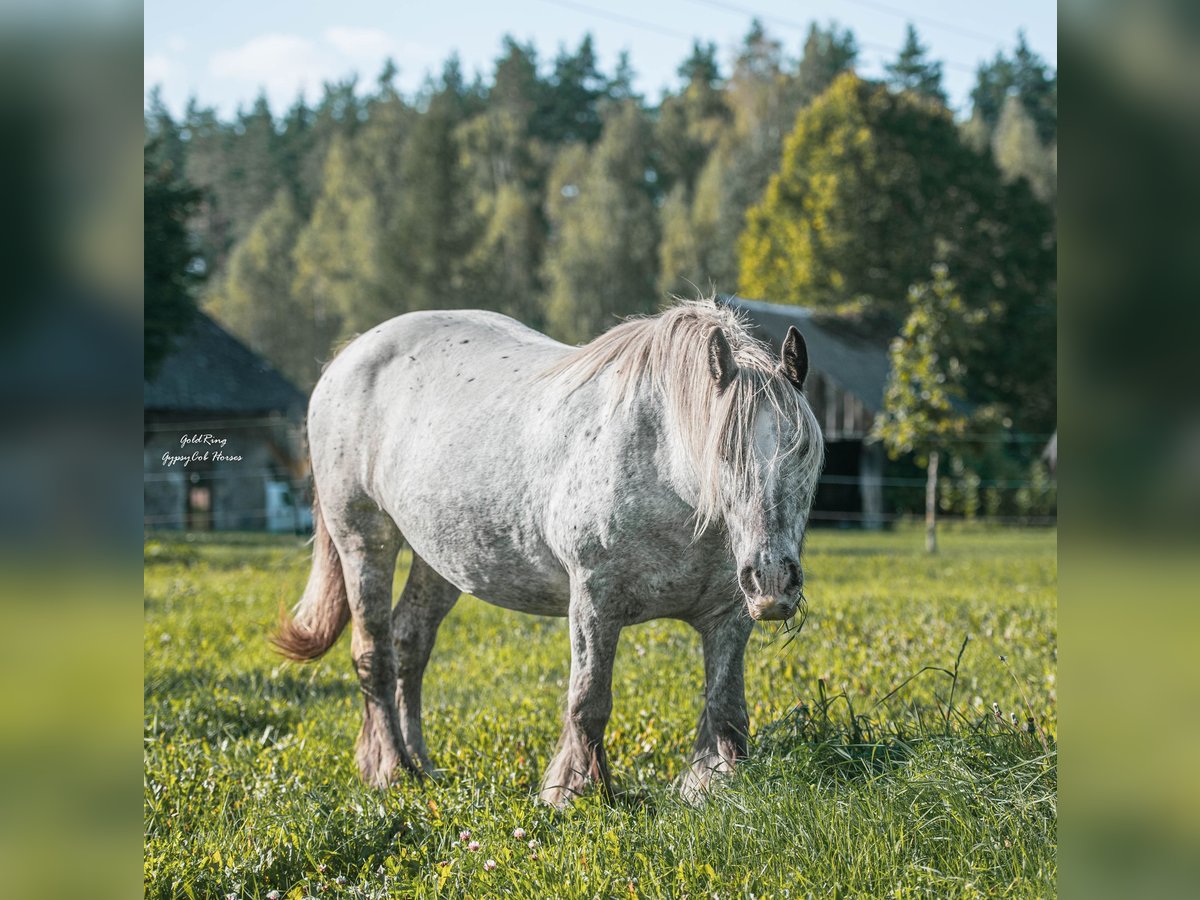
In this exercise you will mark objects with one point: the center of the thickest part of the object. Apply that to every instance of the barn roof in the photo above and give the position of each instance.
(843, 348)
(209, 370)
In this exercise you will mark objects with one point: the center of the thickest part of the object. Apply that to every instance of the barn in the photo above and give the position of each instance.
(222, 439)
(848, 372)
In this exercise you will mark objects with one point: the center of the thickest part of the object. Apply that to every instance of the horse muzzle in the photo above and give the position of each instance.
(772, 609)
(773, 592)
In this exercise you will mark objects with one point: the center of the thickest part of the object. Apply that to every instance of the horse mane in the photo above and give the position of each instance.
(669, 352)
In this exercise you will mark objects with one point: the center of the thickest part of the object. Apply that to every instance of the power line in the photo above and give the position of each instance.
(926, 20)
(622, 19)
(804, 26)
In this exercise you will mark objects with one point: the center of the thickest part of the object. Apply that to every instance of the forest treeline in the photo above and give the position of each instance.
(553, 192)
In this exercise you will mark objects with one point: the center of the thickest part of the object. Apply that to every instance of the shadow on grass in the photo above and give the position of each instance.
(198, 706)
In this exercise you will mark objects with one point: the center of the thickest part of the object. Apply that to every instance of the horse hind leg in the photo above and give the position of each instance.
(368, 542)
(426, 599)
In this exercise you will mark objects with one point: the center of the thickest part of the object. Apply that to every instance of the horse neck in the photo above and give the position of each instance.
(654, 414)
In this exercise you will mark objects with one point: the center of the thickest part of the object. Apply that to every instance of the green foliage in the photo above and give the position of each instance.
(1020, 153)
(850, 790)
(507, 258)
(828, 52)
(601, 261)
(571, 111)
(690, 123)
(774, 177)
(1024, 75)
(925, 404)
(168, 201)
(874, 185)
(725, 147)
(339, 262)
(257, 298)
(914, 71)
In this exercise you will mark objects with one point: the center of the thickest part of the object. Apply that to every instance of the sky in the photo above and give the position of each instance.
(224, 52)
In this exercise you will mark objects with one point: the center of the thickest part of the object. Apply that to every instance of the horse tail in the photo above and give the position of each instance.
(322, 613)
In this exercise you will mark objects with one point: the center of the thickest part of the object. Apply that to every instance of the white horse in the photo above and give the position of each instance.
(665, 470)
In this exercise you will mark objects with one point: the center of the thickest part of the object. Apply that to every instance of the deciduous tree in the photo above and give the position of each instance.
(925, 405)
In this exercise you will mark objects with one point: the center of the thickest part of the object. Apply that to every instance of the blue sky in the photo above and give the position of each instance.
(223, 52)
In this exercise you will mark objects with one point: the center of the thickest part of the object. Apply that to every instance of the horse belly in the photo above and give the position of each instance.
(482, 540)
(488, 564)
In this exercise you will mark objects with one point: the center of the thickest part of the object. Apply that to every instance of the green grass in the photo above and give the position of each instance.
(250, 784)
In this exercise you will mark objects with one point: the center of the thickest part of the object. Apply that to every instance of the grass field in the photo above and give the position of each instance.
(251, 788)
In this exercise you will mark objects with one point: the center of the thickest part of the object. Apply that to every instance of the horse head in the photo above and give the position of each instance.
(768, 465)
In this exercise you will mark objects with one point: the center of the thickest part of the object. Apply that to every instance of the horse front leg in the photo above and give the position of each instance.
(724, 723)
(580, 759)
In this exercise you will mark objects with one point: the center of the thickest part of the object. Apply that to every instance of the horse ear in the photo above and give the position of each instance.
(720, 359)
(795, 357)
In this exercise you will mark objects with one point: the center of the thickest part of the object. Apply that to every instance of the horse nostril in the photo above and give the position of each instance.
(749, 580)
(795, 579)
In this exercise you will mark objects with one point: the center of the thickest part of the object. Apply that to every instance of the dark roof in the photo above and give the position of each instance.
(209, 370)
(845, 349)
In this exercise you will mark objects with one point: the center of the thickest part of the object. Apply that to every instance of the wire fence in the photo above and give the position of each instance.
(210, 425)
(904, 493)
(255, 515)
(214, 475)
(261, 516)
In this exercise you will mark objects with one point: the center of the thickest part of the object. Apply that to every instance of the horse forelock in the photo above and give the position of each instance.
(668, 353)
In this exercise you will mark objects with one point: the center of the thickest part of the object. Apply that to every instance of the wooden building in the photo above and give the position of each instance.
(223, 447)
(848, 371)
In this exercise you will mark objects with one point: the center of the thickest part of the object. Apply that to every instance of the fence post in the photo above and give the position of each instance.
(931, 503)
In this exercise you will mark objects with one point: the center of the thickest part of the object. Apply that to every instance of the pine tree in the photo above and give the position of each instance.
(602, 260)
(338, 114)
(505, 168)
(341, 274)
(257, 302)
(506, 261)
(168, 202)
(164, 133)
(745, 146)
(499, 145)
(1024, 75)
(914, 71)
(828, 52)
(436, 224)
(293, 148)
(255, 173)
(1020, 153)
(209, 170)
(571, 111)
(620, 86)
(756, 89)
(678, 251)
(690, 123)
(379, 145)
